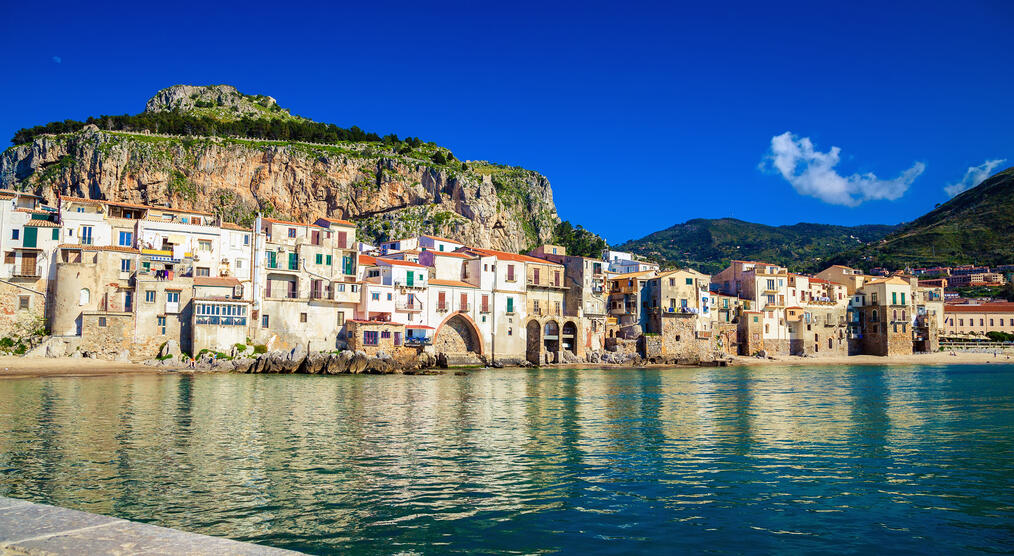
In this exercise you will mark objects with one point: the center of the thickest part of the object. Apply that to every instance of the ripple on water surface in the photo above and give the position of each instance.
(911, 459)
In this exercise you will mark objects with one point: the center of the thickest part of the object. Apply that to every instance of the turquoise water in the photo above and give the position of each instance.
(853, 459)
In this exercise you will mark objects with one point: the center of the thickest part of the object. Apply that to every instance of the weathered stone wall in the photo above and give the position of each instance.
(681, 340)
(16, 321)
(751, 334)
(456, 336)
(107, 334)
(356, 336)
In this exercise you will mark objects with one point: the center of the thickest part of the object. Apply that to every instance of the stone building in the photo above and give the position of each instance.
(585, 294)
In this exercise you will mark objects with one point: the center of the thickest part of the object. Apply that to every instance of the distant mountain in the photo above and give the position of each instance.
(976, 226)
(709, 245)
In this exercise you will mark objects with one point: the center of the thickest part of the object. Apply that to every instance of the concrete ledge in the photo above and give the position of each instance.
(27, 528)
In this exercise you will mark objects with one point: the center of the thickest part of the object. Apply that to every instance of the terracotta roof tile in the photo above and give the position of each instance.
(505, 256)
(98, 248)
(223, 281)
(398, 262)
(455, 283)
(997, 307)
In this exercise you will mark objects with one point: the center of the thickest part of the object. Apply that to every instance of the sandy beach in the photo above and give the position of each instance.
(21, 367)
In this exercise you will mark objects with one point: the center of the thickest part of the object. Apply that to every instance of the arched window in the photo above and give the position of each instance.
(874, 315)
(86, 296)
(903, 314)
(895, 316)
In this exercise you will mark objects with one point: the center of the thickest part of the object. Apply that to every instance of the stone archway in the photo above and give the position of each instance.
(551, 339)
(568, 340)
(457, 336)
(533, 349)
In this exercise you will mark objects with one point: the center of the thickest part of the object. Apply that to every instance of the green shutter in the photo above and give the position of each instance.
(271, 260)
(510, 304)
(329, 260)
(293, 261)
(319, 259)
(411, 278)
(31, 237)
(56, 234)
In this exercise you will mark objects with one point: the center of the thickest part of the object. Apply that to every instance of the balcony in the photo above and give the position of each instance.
(409, 307)
(677, 311)
(532, 283)
(32, 273)
(443, 307)
(464, 307)
(484, 309)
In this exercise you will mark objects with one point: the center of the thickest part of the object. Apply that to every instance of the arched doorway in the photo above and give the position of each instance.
(457, 336)
(569, 338)
(533, 348)
(551, 339)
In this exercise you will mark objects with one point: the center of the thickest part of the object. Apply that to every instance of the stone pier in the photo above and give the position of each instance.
(35, 529)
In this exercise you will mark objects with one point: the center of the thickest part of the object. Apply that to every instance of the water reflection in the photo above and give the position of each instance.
(731, 460)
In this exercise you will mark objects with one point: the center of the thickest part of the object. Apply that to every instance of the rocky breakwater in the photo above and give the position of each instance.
(296, 361)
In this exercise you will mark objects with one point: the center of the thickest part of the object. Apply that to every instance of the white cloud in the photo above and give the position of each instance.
(974, 176)
(813, 173)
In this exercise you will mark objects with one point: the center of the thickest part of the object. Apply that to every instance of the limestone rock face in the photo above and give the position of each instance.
(391, 190)
(190, 98)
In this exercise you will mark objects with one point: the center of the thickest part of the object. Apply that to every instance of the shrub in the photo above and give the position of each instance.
(261, 348)
(240, 347)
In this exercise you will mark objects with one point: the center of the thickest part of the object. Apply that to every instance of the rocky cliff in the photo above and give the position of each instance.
(390, 189)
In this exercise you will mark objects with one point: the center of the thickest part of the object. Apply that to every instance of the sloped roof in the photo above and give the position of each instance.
(505, 256)
(223, 281)
(996, 307)
(398, 262)
(455, 283)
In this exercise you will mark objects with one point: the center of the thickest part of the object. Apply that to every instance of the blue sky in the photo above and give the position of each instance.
(642, 115)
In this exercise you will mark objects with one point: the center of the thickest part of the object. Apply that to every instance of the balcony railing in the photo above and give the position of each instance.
(414, 306)
(464, 307)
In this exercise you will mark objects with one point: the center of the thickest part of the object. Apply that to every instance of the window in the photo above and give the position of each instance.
(375, 296)
(902, 298)
(293, 261)
(771, 284)
(149, 296)
(341, 319)
(510, 305)
(80, 209)
(991, 322)
(672, 282)
(319, 258)
(85, 296)
(327, 260)
(204, 244)
(172, 297)
(894, 298)
(124, 265)
(56, 234)
(102, 321)
(23, 302)
(510, 273)
(203, 271)
(126, 239)
(389, 297)
(302, 317)
(246, 239)
(292, 232)
(272, 261)
(370, 338)
(690, 281)
(15, 234)
(85, 235)
(160, 323)
(961, 322)
(386, 334)
(264, 321)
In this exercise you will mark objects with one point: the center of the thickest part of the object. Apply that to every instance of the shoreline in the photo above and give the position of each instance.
(42, 367)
